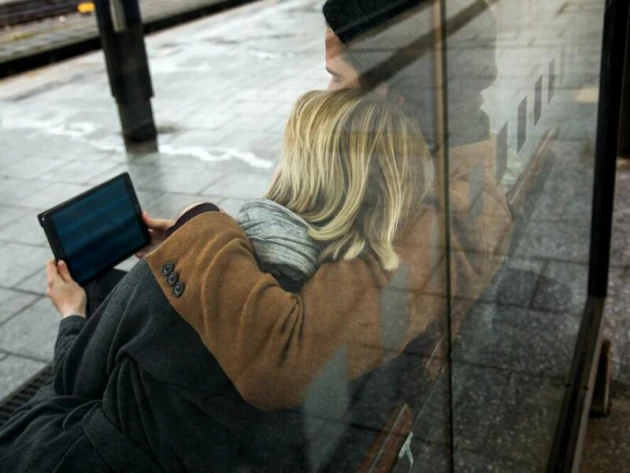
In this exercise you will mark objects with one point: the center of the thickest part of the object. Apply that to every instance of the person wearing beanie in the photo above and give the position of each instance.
(364, 35)
(350, 19)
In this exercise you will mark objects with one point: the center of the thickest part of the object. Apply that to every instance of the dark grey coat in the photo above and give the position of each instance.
(136, 390)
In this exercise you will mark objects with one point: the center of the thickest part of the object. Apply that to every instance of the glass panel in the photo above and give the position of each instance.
(524, 76)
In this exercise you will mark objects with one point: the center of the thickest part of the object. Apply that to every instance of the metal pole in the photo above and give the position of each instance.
(122, 37)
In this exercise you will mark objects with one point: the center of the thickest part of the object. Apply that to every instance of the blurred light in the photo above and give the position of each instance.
(86, 7)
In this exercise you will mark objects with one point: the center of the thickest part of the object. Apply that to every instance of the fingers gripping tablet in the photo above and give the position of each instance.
(96, 230)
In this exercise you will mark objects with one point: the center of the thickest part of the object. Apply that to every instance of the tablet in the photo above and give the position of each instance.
(96, 230)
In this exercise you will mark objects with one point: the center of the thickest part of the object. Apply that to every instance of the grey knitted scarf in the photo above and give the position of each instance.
(280, 239)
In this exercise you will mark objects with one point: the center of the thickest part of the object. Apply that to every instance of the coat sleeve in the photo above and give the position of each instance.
(69, 329)
(273, 344)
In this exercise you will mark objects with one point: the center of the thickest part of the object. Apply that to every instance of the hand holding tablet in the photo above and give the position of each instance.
(98, 229)
(157, 230)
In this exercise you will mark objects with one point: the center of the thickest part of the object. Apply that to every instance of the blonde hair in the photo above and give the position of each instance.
(354, 167)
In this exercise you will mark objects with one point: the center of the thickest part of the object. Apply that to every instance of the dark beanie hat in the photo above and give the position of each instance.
(352, 18)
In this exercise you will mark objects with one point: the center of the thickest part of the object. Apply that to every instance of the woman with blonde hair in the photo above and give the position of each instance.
(353, 169)
(134, 387)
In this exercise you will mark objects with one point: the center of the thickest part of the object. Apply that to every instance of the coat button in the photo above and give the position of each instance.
(168, 268)
(172, 279)
(178, 290)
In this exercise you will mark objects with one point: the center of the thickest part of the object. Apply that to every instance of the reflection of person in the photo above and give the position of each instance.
(389, 46)
(362, 35)
(134, 389)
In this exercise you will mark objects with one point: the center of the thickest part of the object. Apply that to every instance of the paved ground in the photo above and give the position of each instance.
(60, 134)
(224, 87)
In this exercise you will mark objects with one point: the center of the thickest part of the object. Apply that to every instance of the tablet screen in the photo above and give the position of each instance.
(99, 230)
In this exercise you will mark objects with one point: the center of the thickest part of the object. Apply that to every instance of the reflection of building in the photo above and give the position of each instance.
(531, 68)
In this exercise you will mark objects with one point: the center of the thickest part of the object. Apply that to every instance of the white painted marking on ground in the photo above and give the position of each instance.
(217, 155)
(56, 123)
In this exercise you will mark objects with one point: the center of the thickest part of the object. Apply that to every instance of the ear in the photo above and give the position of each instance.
(382, 89)
(396, 97)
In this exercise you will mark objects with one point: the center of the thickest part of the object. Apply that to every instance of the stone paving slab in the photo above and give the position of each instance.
(478, 394)
(563, 288)
(518, 340)
(13, 302)
(10, 214)
(20, 261)
(29, 333)
(471, 462)
(526, 420)
(25, 229)
(566, 242)
(14, 370)
(515, 282)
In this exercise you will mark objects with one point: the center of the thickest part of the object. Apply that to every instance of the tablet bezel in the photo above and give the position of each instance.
(50, 229)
